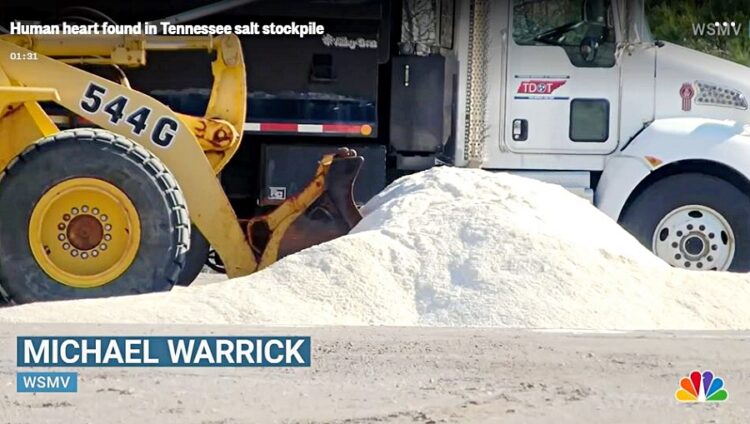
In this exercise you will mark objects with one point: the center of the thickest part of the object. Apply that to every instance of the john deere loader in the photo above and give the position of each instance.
(108, 210)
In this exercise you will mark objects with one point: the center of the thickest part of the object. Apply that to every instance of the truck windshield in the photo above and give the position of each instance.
(584, 29)
(563, 23)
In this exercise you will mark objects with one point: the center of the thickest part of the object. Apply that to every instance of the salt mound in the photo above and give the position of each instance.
(452, 247)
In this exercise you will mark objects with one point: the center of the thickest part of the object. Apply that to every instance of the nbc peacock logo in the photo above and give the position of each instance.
(705, 387)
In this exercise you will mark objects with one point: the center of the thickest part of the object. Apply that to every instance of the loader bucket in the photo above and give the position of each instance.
(322, 211)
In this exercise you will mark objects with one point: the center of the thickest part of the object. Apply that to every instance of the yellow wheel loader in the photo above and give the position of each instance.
(108, 210)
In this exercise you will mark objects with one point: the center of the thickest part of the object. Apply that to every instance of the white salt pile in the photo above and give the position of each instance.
(452, 247)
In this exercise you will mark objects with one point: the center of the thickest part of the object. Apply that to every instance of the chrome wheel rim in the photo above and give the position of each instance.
(695, 237)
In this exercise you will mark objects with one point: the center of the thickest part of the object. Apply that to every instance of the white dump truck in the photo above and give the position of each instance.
(581, 94)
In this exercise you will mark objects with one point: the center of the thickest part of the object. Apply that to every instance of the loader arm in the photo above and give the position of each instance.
(193, 148)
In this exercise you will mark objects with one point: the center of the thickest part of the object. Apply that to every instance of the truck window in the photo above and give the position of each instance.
(583, 28)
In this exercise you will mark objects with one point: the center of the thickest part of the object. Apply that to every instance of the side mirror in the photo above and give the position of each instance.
(589, 48)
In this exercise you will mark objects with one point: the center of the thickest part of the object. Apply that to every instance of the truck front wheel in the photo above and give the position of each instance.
(693, 221)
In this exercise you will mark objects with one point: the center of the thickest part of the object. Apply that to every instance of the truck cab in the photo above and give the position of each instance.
(577, 92)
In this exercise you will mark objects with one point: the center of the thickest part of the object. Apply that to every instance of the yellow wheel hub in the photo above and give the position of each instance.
(84, 232)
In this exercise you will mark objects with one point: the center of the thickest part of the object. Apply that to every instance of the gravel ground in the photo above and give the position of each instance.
(404, 375)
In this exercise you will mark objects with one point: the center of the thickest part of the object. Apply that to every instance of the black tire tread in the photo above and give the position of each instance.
(641, 219)
(137, 154)
(196, 258)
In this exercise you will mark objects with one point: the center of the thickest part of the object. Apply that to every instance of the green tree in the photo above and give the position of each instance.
(675, 21)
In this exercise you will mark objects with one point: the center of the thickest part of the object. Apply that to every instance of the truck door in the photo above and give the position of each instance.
(563, 80)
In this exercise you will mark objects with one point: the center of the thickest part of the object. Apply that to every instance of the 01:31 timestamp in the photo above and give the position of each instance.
(24, 56)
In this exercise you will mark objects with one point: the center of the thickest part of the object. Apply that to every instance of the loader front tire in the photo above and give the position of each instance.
(87, 213)
(195, 259)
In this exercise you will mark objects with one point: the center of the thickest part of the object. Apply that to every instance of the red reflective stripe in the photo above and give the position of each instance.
(278, 127)
(82, 121)
(307, 128)
(333, 128)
